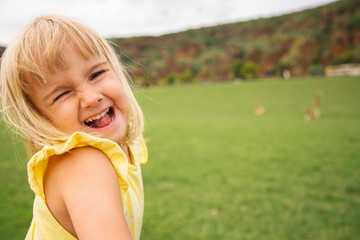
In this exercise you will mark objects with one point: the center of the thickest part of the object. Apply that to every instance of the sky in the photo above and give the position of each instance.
(128, 18)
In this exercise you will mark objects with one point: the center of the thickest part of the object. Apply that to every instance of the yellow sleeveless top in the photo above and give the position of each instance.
(45, 226)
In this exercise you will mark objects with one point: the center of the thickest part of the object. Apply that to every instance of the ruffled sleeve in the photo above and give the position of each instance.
(38, 163)
(143, 155)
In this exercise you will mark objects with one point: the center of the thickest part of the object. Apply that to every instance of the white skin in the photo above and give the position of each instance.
(81, 186)
(85, 89)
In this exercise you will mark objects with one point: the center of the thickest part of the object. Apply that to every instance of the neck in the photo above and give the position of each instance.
(125, 148)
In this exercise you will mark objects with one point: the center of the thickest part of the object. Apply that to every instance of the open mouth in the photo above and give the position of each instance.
(101, 120)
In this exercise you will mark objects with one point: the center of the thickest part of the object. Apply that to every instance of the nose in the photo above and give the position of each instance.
(90, 97)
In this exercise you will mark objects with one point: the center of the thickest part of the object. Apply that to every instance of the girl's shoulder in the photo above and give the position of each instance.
(75, 177)
(80, 150)
(76, 160)
(77, 164)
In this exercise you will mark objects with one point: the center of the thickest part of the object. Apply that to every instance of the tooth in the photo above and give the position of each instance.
(98, 116)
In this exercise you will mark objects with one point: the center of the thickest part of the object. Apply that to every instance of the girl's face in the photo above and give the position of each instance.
(84, 96)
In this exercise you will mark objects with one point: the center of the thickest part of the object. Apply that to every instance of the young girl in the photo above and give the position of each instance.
(66, 93)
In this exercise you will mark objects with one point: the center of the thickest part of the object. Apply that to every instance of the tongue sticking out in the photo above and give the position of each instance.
(102, 122)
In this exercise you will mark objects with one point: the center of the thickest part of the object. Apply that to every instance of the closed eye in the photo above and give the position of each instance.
(61, 95)
(97, 74)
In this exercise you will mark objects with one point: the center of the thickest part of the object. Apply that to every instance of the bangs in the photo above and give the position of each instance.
(48, 37)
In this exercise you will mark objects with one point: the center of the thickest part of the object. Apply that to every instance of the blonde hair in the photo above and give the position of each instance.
(37, 49)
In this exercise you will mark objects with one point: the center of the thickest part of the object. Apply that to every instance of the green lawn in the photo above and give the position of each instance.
(218, 171)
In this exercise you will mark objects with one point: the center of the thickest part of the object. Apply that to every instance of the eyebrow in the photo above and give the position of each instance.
(88, 72)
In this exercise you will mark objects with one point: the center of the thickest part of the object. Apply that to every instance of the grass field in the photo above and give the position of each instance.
(218, 171)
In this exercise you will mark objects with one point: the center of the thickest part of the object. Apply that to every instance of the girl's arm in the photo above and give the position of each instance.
(83, 193)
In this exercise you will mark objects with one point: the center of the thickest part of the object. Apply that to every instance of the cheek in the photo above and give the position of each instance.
(119, 97)
(65, 119)
(125, 103)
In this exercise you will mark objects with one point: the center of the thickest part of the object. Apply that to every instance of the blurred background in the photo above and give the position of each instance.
(252, 115)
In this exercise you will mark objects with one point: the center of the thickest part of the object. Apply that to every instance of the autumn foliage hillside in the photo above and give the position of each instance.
(302, 42)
